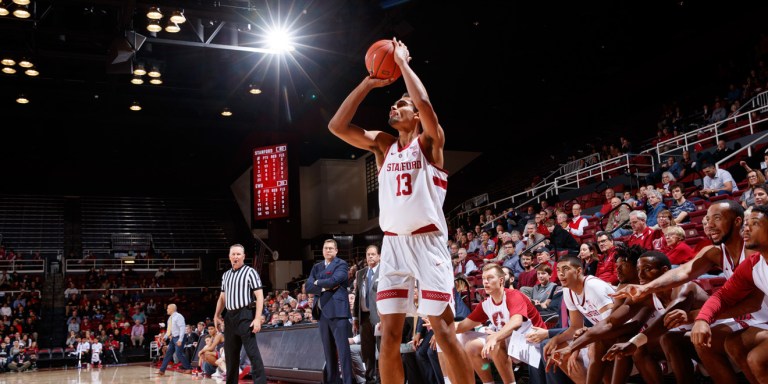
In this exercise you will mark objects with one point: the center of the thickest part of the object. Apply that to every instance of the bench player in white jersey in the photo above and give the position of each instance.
(507, 309)
(749, 347)
(724, 221)
(585, 297)
(626, 318)
(412, 188)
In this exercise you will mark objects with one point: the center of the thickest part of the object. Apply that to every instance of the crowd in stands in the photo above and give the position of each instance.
(19, 320)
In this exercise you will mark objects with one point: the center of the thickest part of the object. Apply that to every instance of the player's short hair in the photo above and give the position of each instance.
(496, 268)
(572, 260)
(659, 258)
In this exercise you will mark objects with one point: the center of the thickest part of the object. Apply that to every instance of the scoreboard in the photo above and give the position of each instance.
(270, 182)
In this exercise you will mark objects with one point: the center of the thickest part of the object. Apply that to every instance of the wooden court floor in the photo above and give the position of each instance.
(127, 374)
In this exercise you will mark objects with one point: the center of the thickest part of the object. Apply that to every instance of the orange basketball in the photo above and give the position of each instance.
(380, 60)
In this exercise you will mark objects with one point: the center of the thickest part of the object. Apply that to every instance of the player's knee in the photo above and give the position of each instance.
(474, 347)
(757, 361)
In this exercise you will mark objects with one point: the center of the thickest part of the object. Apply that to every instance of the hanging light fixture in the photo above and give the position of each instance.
(154, 13)
(226, 112)
(4, 9)
(139, 70)
(254, 89)
(22, 99)
(154, 72)
(156, 81)
(21, 2)
(154, 26)
(135, 106)
(9, 70)
(24, 63)
(22, 12)
(8, 61)
(32, 71)
(172, 27)
(178, 17)
(137, 80)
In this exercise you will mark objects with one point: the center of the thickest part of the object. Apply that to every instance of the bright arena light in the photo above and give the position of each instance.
(280, 41)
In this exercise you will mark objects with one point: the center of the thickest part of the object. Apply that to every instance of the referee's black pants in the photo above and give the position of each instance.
(238, 334)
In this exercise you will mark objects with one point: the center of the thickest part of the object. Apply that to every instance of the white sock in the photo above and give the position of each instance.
(447, 380)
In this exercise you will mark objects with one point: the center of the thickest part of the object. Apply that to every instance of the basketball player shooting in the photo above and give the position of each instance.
(412, 188)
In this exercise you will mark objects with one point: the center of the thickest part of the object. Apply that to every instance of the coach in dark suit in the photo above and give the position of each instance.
(328, 282)
(364, 313)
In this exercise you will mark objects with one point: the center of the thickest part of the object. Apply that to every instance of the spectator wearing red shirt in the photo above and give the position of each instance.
(642, 234)
(527, 278)
(606, 266)
(677, 250)
(609, 194)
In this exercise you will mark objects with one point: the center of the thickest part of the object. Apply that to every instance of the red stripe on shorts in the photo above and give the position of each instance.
(425, 229)
(435, 295)
(392, 294)
(440, 182)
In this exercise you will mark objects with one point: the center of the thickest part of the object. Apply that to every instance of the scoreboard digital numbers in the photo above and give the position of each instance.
(270, 182)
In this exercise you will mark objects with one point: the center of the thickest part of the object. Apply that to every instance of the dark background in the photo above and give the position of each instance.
(522, 82)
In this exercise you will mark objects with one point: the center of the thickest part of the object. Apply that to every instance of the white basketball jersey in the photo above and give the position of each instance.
(728, 264)
(728, 269)
(411, 191)
(760, 276)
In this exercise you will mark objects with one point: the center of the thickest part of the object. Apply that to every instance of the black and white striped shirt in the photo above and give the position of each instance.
(238, 286)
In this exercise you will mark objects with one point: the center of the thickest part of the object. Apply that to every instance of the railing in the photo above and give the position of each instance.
(578, 178)
(758, 103)
(144, 290)
(12, 293)
(23, 266)
(747, 148)
(626, 163)
(139, 265)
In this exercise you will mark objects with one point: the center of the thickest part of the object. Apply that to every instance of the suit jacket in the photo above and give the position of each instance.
(371, 291)
(331, 297)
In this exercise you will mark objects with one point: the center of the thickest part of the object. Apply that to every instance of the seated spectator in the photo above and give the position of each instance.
(543, 292)
(527, 278)
(137, 333)
(20, 362)
(560, 240)
(654, 206)
(680, 207)
(462, 265)
(606, 207)
(717, 182)
(618, 219)
(678, 251)
(606, 267)
(667, 180)
(630, 199)
(642, 234)
(487, 246)
(754, 179)
(589, 258)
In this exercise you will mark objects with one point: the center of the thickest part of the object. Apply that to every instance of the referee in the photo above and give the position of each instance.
(237, 286)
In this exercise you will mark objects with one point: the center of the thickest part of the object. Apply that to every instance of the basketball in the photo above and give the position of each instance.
(380, 60)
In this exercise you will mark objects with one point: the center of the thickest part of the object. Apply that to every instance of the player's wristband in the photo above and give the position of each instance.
(639, 340)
